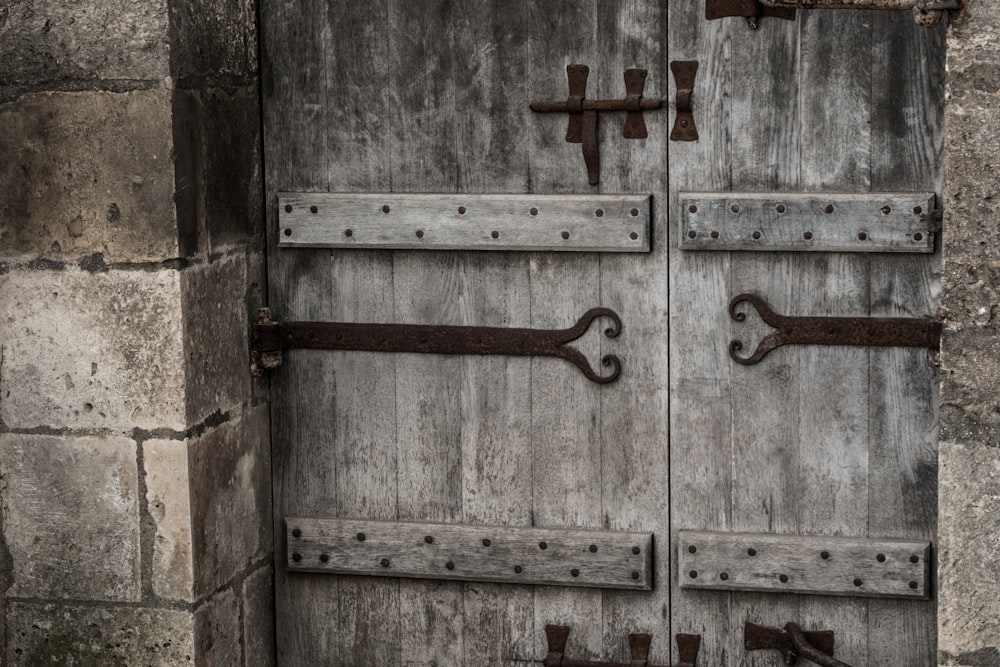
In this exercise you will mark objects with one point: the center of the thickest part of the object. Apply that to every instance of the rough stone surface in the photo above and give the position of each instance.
(91, 350)
(213, 39)
(87, 173)
(230, 499)
(42, 41)
(167, 497)
(216, 338)
(258, 617)
(71, 516)
(217, 631)
(51, 634)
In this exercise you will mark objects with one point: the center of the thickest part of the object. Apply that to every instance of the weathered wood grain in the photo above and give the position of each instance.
(591, 559)
(555, 223)
(855, 567)
(773, 221)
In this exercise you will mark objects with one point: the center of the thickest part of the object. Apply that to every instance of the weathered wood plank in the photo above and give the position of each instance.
(855, 567)
(773, 221)
(555, 223)
(555, 557)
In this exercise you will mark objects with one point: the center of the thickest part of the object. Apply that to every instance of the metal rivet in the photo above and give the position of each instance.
(633, 236)
(288, 208)
(918, 236)
(693, 574)
(593, 548)
(714, 235)
(918, 210)
(692, 234)
(734, 208)
(880, 558)
(829, 208)
(862, 236)
(461, 210)
(858, 582)
(636, 550)
(288, 231)
(565, 235)
(692, 549)
(692, 209)
(783, 578)
(684, 123)
(385, 209)
(781, 208)
(450, 565)
(543, 545)
(385, 562)
(518, 569)
(420, 233)
(634, 212)
(807, 236)
(634, 575)
(361, 537)
(755, 235)
(486, 543)
(751, 552)
(914, 585)
(724, 576)
(914, 559)
(599, 213)
(495, 234)
(348, 232)
(824, 554)
(886, 210)
(429, 539)
(296, 532)
(323, 558)
(296, 557)
(313, 209)
(533, 211)
(575, 572)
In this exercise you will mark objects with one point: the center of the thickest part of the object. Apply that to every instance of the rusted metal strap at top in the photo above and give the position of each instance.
(854, 331)
(817, 647)
(639, 644)
(926, 12)
(271, 338)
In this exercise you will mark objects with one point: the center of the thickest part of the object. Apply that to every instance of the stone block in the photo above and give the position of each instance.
(216, 337)
(258, 617)
(51, 40)
(213, 40)
(169, 504)
(87, 173)
(71, 516)
(217, 631)
(230, 499)
(91, 350)
(968, 543)
(51, 634)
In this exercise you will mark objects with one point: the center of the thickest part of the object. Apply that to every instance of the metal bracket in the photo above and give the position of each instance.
(751, 10)
(793, 643)
(272, 338)
(557, 636)
(684, 127)
(687, 650)
(855, 331)
(582, 127)
(926, 13)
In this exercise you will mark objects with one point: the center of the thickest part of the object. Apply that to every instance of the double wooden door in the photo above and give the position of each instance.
(432, 96)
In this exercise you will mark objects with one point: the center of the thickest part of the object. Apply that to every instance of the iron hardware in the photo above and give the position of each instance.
(557, 635)
(582, 127)
(925, 12)
(855, 331)
(272, 338)
(684, 127)
(793, 643)
(687, 649)
(751, 10)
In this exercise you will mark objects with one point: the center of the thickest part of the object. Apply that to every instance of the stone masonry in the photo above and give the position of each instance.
(134, 455)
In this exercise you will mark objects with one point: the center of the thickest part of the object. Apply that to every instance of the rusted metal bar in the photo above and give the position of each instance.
(558, 635)
(272, 338)
(926, 12)
(793, 643)
(855, 331)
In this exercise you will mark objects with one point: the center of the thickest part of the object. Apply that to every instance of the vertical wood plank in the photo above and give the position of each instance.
(565, 407)
(634, 429)
(426, 288)
(700, 369)
(906, 155)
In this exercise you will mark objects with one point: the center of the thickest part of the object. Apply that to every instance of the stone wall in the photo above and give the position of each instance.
(134, 455)
(969, 506)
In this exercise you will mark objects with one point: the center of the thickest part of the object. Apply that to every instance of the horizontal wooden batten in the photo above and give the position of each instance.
(766, 563)
(572, 223)
(887, 222)
(557, 557)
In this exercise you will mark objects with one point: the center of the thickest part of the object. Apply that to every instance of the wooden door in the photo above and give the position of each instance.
(400, 97)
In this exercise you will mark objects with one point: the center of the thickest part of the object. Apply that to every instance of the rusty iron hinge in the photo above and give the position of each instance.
(853, 331)
(271, 338)
(751, 10)
(793, 643)
(639, 644)
(925, 12)
(582, 127)
(684, 127)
